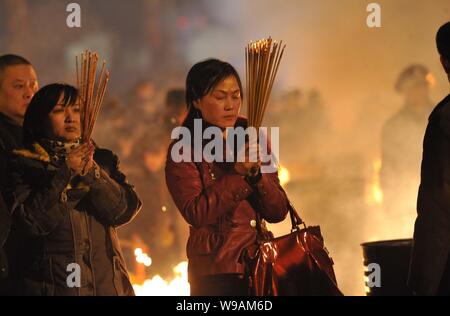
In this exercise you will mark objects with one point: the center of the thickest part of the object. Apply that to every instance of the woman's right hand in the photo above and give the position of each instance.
(80, 157)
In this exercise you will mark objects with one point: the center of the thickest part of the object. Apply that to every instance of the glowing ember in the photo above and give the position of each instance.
(375, 193)
(283, 175)
(430, 79)
(142, 257)
(157, 286)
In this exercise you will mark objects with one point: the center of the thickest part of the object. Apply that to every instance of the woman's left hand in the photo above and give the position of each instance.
(249, 167)
(81, 159)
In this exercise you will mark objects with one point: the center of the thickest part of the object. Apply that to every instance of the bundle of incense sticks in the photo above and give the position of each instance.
(262, 59)
(91, 94)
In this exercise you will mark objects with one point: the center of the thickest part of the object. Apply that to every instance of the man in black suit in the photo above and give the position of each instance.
(430, 264)
(18, 84)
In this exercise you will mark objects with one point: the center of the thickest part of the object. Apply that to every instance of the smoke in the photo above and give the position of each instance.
(330, 48)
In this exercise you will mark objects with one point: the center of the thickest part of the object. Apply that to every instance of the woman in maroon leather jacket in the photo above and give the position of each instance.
(220, 200)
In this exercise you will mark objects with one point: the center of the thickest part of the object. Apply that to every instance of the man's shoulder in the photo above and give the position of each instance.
(440, 117)
(8, 138)
(442, 109)
(3, 135)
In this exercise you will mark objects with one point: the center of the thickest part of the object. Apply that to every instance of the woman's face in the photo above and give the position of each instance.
(221, 106)
(65, 121)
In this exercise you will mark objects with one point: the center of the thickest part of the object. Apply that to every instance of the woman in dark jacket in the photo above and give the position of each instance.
(68, 199)
(220, 200)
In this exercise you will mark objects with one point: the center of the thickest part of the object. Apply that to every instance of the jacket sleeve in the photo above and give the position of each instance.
(270, 197)
(113, 200)
(272, 202)
(39, 209)
(198, 205)
(5, 218)
(444, 120)
(3, 170)
(4, 221)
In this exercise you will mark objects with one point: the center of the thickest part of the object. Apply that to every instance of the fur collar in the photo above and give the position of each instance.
(37, 152)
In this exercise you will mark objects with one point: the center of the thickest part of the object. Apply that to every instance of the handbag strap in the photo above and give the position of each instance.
(296, 220)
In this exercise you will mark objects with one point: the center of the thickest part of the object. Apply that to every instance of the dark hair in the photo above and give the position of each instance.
(12, 60)
(202, 79)
(36, 124)
(443, 41)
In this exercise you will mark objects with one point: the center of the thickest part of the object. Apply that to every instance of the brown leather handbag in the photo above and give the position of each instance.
(293, 264)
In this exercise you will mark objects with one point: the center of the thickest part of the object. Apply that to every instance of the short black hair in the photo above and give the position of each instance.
(12, 60)
(443, 41)
(36, 124)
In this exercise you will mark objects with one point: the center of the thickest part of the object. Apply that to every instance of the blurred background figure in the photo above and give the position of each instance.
(142, 99)
(300, 114)
(159, 225)
(111, 128)
(143, 96)
(122, 123)
(402, 138)
(175, 108)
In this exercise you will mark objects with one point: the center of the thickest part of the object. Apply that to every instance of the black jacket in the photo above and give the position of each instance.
(68, 220)
(429, 262)
(10, 137)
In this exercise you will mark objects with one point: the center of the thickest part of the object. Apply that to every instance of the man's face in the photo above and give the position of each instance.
(18, 84)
